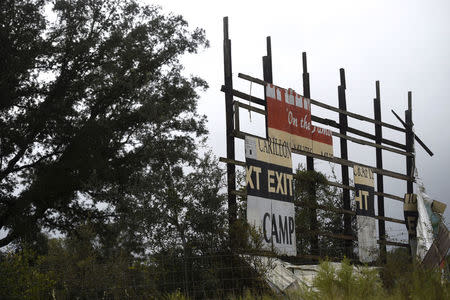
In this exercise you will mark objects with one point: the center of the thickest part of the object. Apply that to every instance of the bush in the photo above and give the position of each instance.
(21, 276)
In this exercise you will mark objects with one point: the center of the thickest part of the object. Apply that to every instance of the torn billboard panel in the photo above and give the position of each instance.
(289, 117)
(411, 214)
(270, 195)
(365, 211)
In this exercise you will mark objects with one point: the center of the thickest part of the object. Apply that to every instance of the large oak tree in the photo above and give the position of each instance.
(92, 100)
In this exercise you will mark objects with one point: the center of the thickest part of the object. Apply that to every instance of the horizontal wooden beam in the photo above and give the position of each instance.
(252, 79)
(332, 183)
(323, 121)
(329, 234)
(334, 124)
(363, 142)
(350, 163)
(336, 134)
(332, 108)
(415, 136)
(340, 185)
(333, 209)
(393, 243)
(353, 238)
(344, 211)
(249, 107)
(239, 193)
(245, 96)
(293, 259)
(232, 161)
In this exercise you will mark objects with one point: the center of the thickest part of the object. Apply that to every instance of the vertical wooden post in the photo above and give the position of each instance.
(343, 124)
(267, 62)
(267, 71)
(410, 161)
(314, 240)
(231, 175)
(380, 183)
(307, 94)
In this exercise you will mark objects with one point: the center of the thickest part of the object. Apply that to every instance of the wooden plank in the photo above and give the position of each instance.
(292, 259)
(333, 123)
(313, 224)
(379, 164)
(409, 137)
(409, 144)
(356, 116)
(391, 243)
(332, 183)
(336, 160)
(244, 96)
(252, 108)
(415, 136)
(336, 134)
(328, 122)
(232, 161)
(252, 79)
(364, 142)
(239, 193)
(343, 124)
(438, 249)
(228, 81)
(350, 163)
(237, 124)
(386, 195)
(332, 108)
(330, 234)
(348, 212)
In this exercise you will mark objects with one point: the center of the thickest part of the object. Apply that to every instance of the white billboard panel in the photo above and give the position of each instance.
(365, 210)
(269, 181)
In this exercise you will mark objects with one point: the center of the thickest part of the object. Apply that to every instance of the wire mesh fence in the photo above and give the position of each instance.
(205, 276)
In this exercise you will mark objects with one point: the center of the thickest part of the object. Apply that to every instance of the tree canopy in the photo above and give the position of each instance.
(93, 102)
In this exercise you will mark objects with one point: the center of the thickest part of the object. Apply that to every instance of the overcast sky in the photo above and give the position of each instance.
(403, 44)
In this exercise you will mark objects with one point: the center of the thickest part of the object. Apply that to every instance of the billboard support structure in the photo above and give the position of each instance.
(343, 124)
(379, 164)
(233, 131)
(231, 169)
(314, 240)
(409, 136)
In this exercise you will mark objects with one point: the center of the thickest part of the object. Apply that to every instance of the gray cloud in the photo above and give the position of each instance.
(404, 44)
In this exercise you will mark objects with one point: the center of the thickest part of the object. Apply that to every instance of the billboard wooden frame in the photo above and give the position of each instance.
(379, 143)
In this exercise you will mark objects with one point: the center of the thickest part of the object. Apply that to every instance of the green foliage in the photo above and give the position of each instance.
(93, 102)
(327, 221)
(398, 279)
(22, 277)
(346, 283)
(407, 280)
(81, 269)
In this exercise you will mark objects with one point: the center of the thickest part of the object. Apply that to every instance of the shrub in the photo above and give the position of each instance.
(21, 277)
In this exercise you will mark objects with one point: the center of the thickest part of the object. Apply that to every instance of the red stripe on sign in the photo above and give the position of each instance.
(288, 111)
(322, 135)
(291, 112)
